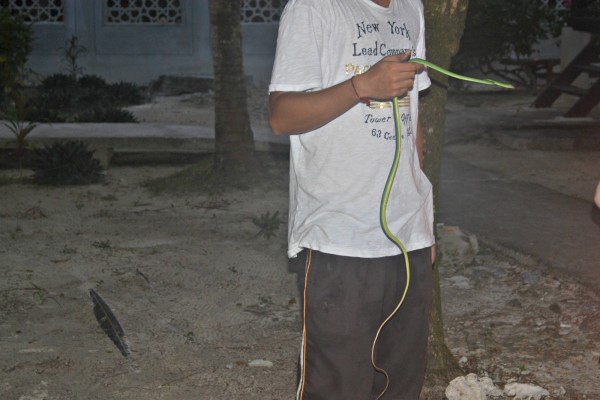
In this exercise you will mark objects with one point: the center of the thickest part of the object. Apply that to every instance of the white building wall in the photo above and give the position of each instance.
(141, 52)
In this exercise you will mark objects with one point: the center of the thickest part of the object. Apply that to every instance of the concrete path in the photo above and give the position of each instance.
(558, 230)
(555, 229)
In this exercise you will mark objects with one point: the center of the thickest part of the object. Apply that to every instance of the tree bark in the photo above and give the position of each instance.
(234, 140)
(444, 21)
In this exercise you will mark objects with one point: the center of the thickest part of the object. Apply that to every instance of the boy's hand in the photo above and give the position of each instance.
(391, 77)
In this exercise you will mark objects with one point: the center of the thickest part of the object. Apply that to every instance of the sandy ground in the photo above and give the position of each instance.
(210, 308)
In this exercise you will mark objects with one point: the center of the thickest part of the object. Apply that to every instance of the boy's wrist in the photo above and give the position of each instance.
(362, 99)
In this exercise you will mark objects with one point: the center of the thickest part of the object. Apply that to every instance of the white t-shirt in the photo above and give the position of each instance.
(338, 171)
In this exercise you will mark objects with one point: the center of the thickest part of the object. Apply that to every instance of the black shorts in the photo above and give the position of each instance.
(345, 301)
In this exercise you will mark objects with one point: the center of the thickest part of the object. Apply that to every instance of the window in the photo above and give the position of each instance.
(43, 11)
(158, 12)
(558, 5)
(262, 11)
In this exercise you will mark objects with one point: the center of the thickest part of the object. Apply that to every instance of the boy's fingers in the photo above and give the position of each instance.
(403, 57)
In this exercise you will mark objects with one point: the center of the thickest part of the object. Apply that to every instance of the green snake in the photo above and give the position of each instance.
(388, 188)
(461, 77)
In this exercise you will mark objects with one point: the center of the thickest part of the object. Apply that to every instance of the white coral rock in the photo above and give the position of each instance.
(522, 391)
(471, 387)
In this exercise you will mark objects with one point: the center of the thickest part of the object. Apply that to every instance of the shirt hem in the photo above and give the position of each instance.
(359, 253)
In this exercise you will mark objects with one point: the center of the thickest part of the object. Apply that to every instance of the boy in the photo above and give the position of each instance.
(338, 65)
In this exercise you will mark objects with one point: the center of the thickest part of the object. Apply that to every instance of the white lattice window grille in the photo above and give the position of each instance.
(262, 11)
(37, 11)
(558, 5)
(157, 12)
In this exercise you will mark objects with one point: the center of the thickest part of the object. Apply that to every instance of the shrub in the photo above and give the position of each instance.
(91, 91)
(125, 93)
(15, 45)
(62, 98)
(496, 29)
(106, 115)
(53, 98)
(66, 163)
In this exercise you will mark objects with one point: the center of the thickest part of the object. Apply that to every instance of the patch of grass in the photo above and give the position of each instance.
(68, 250)
(200, 178)
(102, 214)
(268, 170)
(102, 244)
(15, 180)
(195, 178)
(108, 197)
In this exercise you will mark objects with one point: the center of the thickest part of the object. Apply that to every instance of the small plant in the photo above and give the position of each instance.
(268, 224)
(71, 52)
(190, 337)
(102, 244)
(42, 295)
(66, 163)
(18, 126)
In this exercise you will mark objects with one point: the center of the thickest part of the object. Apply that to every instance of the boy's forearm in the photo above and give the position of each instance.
(299, 112)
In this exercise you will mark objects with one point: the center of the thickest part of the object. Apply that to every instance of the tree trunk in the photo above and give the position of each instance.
(444, 21)
(234, 140)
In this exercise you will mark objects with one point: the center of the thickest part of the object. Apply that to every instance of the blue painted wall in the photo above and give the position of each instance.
(141, 53)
